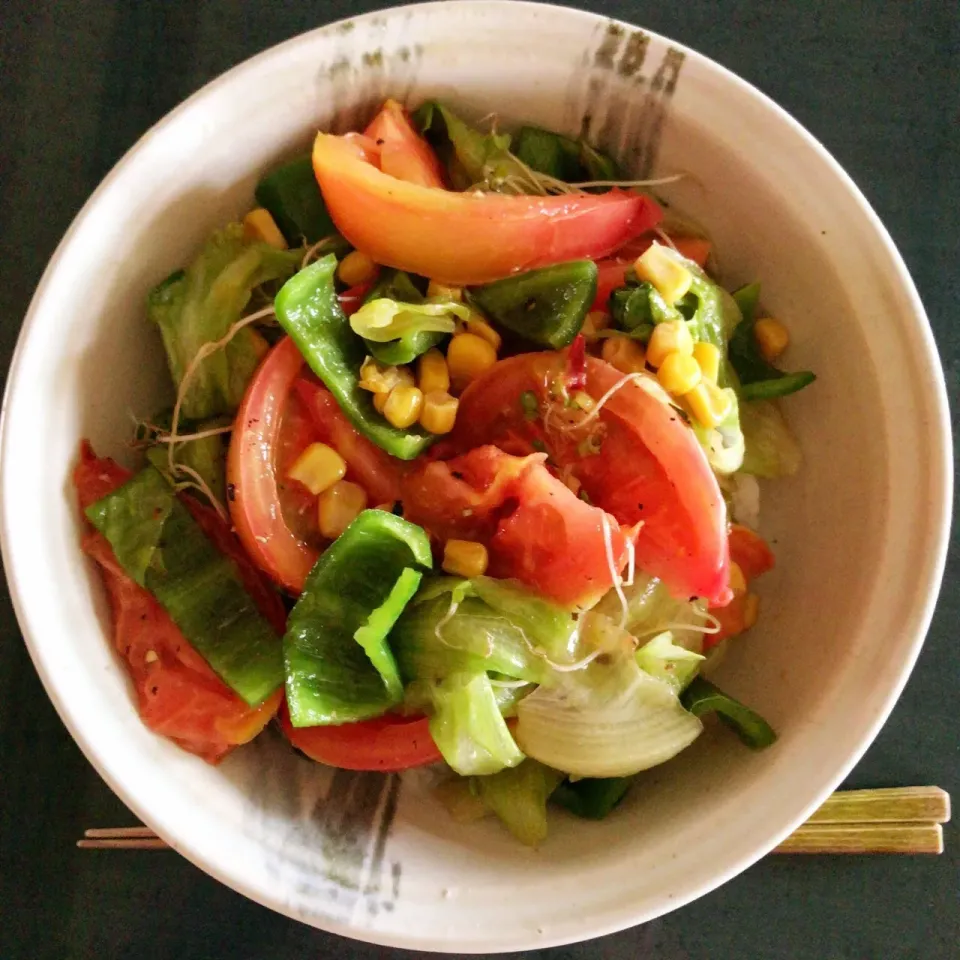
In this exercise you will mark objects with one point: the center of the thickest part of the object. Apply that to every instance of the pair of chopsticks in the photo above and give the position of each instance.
(889, 820)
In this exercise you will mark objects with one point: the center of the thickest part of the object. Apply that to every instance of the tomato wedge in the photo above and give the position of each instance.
(648, 468)
(467, 238)
(386, 744)
(403, 153)
(178, 694)
(253, 491)
(754, 557)
(536, 530)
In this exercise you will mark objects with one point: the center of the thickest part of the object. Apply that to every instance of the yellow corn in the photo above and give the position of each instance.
(772, 337)
(467, 357)
(465, 558)
(751, 610)
(258, 224)
(707, 403)
(668, 338)
(657, 266)
(356, 267)
(318, 468)
(480, 328)
(377, 378)
(708, 359)
(595, 320)
(338, 507)
(432, 372)
(380, 401)
(440, 291)
(403, 406)
(439, 411)
(738, 582)
(679, 373)
(625, 354)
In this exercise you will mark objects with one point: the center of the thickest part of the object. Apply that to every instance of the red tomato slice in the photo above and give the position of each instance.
(536, 530)
(403, 153)
(179, 696)
(253, 490)
(467, 238)
(374, 469)
(384, 744)
(352, 300)
(750, 552)
(649, 468)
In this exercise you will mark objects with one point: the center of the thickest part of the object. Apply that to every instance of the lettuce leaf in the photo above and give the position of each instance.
(518, 796)
(771, 450)
(199, 305)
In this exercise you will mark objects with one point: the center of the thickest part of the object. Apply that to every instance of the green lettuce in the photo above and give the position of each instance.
(771, 450)
(199, 305)
(518, 796)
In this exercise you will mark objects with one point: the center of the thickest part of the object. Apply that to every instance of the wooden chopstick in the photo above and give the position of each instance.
(886, 820)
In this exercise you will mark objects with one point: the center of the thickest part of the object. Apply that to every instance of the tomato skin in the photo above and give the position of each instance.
(484, 237)
(650, 468)
(385, 744)
(373, 468)
(254, 497)
(536, 530)
(750, 552)
(178, 694)
(403, 153)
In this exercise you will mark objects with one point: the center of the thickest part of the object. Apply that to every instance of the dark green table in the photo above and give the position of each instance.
(80, 80)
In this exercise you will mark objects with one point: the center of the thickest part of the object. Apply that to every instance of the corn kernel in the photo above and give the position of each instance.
(772, 337)
(403, 406)
(380, 401)
(377, 378)
(338, 507)
(440, 291)
(657, 266)
(439, 412)
(668, 338)
(708, 359)
(357, 267)
(625, 354)
(432, 372)
(707, 403)
(465, 558)
(258, 224)
(467, 357)
(678, 374)
(738, 582)
(479, 327)
(595, 320)
(751, 610)
(318, 468)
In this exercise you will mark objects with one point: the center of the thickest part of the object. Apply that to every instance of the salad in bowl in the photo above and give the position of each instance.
(461, 469)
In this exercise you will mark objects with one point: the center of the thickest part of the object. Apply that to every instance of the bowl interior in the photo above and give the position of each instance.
(843, 614)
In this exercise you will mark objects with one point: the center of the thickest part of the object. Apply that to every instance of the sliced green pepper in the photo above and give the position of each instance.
(703, 697)
(308, 309)
(759, 379)
(592, 798)
(292, 196)
(631, 308)
(339, 666)
(545, 306)
(399, 286)
(162, 548)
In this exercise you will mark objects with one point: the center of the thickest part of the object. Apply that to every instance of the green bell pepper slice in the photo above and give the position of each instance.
(759, 380)
(309, 311)
(339, 666)
(546, 306)
(703, 697)
(592, 798)
(158, 543)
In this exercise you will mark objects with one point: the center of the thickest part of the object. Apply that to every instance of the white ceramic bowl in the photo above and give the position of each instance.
(859, 534)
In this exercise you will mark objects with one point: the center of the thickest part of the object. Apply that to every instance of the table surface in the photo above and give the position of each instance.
(81, 80)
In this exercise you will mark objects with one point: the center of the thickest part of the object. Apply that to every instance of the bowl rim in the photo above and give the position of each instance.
(939, 437)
